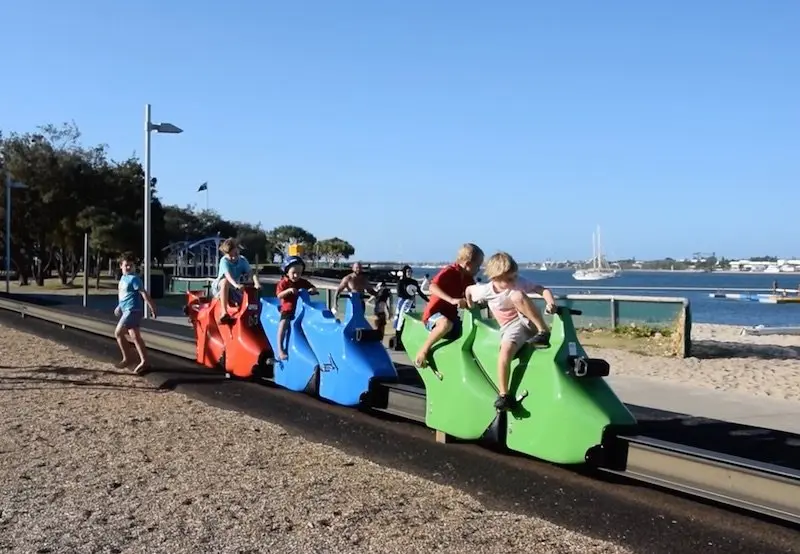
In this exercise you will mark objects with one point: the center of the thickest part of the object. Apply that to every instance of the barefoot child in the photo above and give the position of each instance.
(233, 269)
(446, 297)
(286, 291)
(129, 310)
(383, 307)
(507, 297)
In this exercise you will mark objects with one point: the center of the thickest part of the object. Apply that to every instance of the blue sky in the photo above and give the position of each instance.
(411, 127)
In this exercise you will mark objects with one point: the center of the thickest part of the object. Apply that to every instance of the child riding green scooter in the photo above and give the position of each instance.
(507, 297)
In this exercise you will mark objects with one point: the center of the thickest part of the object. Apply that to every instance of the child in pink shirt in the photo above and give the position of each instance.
(507, 297)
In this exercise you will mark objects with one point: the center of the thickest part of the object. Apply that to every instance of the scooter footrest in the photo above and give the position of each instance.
(582, 367)
(368, 335)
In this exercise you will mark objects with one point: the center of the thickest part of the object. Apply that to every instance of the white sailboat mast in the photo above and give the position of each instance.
(599, 250)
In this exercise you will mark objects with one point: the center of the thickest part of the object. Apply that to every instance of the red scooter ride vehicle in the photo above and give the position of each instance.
(240, 348)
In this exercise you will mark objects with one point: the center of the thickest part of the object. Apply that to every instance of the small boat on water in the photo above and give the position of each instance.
(600, 268)
(761, 298)
(763, 330)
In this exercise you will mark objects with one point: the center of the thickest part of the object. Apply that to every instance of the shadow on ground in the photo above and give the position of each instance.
(754, 443)
(59, 376)
(713, 349)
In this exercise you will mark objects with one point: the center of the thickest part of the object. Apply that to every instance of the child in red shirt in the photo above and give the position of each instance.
(447, 296)
(286, 291)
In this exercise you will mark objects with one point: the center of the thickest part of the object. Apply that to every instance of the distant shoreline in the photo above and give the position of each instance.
(698, 271)
(783, 274)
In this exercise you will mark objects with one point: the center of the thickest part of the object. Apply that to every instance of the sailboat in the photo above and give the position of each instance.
(600, 269)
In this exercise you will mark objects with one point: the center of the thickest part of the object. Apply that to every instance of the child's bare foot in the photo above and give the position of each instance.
(122, 364)
(282, 355)
(141, 368)
(422, 359)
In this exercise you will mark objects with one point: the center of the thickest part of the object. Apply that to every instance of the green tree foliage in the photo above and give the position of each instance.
(72, 189)
(335, 249)
(284, 235)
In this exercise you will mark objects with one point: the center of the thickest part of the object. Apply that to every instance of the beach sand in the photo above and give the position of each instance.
(96, 460)
(723, 359)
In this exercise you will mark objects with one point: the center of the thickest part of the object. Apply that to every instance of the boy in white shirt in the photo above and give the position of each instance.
(507, 296)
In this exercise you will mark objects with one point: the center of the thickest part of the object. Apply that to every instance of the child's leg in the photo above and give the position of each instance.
(398, 314)
(380, 323)
(281, 337)
(507, 351)
(141, 349)
(441, 328)
(513, 336)
(526, 307)
(122, 342)
(223, 289)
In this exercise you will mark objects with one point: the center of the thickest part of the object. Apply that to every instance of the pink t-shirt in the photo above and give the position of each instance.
(499, 302)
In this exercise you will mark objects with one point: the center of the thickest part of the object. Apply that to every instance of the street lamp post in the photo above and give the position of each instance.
(149, 126)
(9, 185)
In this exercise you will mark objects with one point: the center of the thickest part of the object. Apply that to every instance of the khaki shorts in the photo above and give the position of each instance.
(517, 332)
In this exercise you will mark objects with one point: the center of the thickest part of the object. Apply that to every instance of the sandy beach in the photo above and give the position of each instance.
(723, 359)
(94, 460)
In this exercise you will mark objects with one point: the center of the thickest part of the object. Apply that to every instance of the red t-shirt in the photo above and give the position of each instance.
(453, 280)
(289, 303)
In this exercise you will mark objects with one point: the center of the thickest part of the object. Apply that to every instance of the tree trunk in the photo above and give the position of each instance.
(74, 268)
(24, 268)
(97, 272)
(61, 268)
(44, 270)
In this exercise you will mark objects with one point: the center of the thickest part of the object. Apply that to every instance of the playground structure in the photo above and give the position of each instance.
(198, 258)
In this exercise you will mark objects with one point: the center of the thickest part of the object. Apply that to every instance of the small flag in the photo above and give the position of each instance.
(203, 187)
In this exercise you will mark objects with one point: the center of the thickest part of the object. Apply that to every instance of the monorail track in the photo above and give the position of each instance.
(749, 485)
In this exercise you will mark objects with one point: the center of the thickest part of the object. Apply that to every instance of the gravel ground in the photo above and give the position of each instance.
(94, 460)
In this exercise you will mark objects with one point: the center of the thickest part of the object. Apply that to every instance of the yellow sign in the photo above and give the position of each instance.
(296, 249)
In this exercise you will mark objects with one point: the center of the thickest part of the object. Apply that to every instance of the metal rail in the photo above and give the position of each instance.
(756, 487)
(753, 486)
(157, 340)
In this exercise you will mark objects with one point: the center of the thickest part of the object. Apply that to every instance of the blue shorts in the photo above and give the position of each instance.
(235, 296)
(131, 320)
(454, 333)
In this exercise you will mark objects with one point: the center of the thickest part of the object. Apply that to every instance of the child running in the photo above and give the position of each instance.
(233, 270)
(447, 296)
(407, 290)
(507, 296)
(286, 291)
(129, 310)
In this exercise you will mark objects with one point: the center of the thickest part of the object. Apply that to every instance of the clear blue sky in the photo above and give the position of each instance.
(518, 125)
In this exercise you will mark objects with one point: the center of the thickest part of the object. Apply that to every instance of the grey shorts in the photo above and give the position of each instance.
(517, 332)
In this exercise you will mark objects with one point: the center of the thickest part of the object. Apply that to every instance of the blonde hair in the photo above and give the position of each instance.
(500, 265)
(228, 245)
(469, 253)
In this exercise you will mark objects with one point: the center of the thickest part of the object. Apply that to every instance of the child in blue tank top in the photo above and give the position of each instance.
(234, 269)
(129, 310)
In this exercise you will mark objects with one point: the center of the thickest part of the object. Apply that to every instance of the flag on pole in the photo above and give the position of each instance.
(203, 187)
